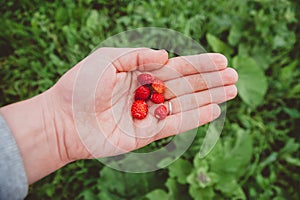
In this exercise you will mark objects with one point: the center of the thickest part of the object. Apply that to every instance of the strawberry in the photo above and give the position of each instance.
(139, 109)
(157, 98)
(161, 112)
(142, 93)
(158, 86)
(145, 79)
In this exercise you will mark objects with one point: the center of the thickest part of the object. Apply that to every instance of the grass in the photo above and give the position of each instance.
(41, 40)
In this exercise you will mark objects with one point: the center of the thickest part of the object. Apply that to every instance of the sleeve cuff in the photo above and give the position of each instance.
(13, 179)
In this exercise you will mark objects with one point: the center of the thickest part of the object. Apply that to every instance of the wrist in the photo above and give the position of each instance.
(61, 109)
(32, 126)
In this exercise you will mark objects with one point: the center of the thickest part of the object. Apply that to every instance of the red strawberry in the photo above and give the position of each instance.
(139, 109)
(158, 86)
(161, 112)
(145, 79)
(157, 98)
(142, 93)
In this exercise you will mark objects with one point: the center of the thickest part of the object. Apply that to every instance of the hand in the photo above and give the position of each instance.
(194, 85)
(50, 131)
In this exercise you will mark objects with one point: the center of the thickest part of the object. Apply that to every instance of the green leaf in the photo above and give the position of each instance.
(128, 184)
(201, 193)
(239, 157)
(233, 160)
(93, 20)
(252, 84)
(108, 177)
(238, 194)
(176, 190)
(87, 195)
(292, 112)
(293, 161)
(290, 146)
(218, 45)
(227, 184)
(268, 160)
(157, 194)
(294, 92)
(200, 163)
(259, 54)
(235, 35)
(180, 169)
(61, 16)
(108, 195)
(288, 72)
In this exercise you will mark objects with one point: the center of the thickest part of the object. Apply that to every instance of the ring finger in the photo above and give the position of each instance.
(195, 100)
(199, 82)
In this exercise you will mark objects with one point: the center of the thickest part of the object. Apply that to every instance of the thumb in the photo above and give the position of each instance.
(142, 59)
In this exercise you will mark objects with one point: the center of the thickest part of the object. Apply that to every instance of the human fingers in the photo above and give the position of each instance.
(195, 100)
(184, 121)
(142, 59)
(199, 82)
(188, 65)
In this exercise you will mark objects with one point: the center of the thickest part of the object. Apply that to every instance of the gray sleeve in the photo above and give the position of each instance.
(13, 180)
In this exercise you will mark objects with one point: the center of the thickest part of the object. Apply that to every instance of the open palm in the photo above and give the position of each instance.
(194, 85)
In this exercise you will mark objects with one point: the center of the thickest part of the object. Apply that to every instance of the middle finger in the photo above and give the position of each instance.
(199, 82)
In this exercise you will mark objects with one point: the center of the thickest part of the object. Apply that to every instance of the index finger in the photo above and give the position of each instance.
(188, 65)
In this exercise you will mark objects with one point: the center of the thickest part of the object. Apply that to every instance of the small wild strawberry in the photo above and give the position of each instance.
(161, 112)
(145, 79)
(139, 109)
(142, 93)
(157, 98)
(158, 86)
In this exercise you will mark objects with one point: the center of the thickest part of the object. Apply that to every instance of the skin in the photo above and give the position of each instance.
(47, 132)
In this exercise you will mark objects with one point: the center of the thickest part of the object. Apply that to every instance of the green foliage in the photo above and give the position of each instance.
(218, 45)
(253, 84)
(257, 156)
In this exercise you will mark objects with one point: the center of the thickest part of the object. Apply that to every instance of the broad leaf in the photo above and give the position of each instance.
(180, 169)
(252, 84)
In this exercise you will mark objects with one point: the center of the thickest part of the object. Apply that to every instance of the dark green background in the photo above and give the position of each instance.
(258, 154)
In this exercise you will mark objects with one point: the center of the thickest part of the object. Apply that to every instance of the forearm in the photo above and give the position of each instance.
(33, 128)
